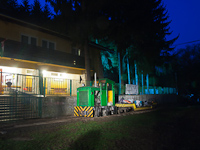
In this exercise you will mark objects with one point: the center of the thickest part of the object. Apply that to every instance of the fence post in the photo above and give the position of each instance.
(147, 80)
(44, 86)
(40, 106)
(41, 82)
(70, 88)
(136, 76)
(119, 74)
(142, 83)
(129, 78)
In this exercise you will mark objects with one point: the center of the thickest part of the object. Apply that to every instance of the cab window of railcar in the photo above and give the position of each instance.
(103, 86)
(109, 86)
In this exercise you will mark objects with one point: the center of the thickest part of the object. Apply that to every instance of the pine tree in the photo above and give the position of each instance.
(9, 7)
(25, 9)
(4, 6)
(46, 13)
(36, 13)
(137, 26)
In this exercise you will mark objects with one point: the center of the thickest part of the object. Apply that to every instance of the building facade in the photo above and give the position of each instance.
(32, 55)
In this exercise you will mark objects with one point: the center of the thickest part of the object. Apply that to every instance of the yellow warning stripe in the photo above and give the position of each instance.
(75, 113)
(75, 109)
(84, 108)
(90, 114)
(79, 109)
(87, 108)
(91, 108)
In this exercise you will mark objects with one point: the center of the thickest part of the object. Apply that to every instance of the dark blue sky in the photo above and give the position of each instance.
(185, 16)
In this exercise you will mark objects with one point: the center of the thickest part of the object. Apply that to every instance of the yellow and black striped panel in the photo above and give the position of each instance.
(86, 111)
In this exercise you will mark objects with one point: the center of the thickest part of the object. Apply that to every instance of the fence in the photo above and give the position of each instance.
(18, 82)
(29, 84)
(58, 86)
(17, 107)
(148, 90)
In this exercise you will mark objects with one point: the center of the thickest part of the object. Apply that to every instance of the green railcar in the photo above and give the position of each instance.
(96, 101)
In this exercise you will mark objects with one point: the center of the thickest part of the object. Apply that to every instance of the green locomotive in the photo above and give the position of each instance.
(96, 101)
(100, 101)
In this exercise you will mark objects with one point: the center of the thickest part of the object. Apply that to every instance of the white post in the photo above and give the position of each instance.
(95, 79)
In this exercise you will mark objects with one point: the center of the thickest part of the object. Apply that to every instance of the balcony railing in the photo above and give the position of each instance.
(18, 50)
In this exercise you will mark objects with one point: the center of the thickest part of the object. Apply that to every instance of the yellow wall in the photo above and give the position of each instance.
(14, 31)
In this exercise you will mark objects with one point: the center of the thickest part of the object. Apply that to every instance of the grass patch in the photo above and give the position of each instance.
(172, 128)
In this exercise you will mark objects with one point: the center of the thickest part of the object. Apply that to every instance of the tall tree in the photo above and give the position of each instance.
(142, 27)
(36, 12)
(9, 7)
(25, 9)
(4, 6)
(186, 64)
(137, 26)
(46, 13)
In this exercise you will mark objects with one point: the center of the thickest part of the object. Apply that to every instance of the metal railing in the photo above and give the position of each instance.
(39, 54)
(20, 107)
(29, 84)
(148, 90)
(11, 82)
(59, 86)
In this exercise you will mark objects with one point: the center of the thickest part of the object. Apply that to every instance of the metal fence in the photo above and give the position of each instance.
(148, 90)
(18, 82)
(17, 107)
(21, 96)
(29, 84)
(59, 86)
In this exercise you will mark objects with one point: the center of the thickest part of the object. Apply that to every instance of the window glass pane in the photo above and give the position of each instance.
(33, 41)
(24, 39)
(44, 44)
(51, 45)
(79, 52)
(74, 51)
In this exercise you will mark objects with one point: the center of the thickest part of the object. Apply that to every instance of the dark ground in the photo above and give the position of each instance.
(20, 128)
(176, 127)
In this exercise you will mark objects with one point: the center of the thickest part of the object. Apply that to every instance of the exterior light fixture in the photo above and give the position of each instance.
(44, 72)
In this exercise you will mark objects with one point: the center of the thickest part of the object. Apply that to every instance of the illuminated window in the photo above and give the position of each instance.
(79, 52)
(30, 72)
(76, 51)
(54, 74)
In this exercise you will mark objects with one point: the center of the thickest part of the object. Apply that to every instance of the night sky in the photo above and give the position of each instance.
(185, 16)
